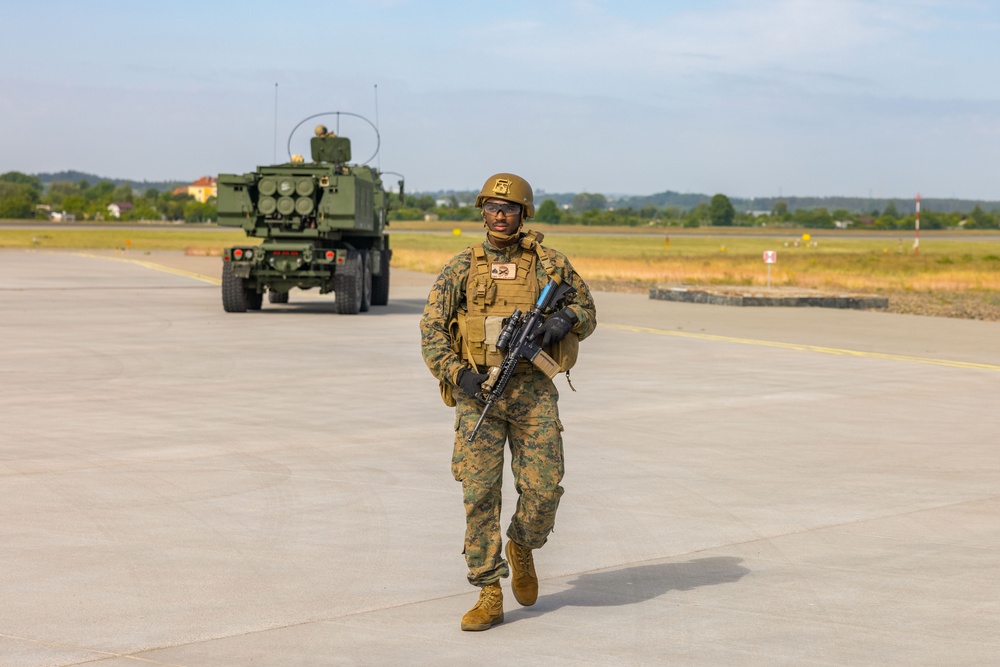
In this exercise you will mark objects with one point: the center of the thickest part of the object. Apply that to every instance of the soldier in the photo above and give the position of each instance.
(475, 291)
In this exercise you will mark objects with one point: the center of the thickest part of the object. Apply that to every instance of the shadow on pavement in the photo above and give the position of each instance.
(328, 307)
(632, 585)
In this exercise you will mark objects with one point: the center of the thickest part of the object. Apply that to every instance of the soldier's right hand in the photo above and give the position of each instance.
(472, 383)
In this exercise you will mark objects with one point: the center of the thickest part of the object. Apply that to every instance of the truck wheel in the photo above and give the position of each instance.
(380, 284)
(254, 299)
(348, 284)
(366, 275)
(277, 297)
(234, 291)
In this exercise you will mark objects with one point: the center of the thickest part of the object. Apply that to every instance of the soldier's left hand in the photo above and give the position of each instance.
(472, 383)
(557, 326)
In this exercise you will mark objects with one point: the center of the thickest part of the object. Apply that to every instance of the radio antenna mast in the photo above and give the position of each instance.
(378, 162)
(275, 160)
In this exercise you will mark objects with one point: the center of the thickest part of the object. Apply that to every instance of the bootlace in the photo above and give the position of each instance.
(488, 596)
(524, 557)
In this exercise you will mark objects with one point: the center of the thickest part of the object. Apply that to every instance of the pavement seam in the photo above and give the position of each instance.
(103, 655)
(341, 619)
(834, 526)
(804, 348)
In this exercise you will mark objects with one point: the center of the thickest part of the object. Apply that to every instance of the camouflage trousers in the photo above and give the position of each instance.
(526, 418)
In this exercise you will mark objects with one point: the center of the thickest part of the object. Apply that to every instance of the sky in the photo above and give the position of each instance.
(880, 98)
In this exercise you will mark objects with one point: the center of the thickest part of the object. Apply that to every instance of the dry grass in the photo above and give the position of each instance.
(859, 265)
(948, 277)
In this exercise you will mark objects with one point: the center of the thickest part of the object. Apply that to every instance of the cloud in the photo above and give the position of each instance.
(739, 96)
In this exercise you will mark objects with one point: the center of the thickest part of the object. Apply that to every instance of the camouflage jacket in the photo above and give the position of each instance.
(447, 297)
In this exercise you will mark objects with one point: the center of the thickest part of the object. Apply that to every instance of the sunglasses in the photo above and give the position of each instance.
(508, 209)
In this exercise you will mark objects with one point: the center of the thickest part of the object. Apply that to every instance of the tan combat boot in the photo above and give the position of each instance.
(488, 611)
(523, 580)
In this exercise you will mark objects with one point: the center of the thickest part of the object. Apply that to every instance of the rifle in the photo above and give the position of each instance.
(517, 340)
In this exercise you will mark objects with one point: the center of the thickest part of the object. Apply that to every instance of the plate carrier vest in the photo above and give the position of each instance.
(489, 301)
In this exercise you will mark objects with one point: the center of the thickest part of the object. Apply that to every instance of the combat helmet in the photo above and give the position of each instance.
(509, 187)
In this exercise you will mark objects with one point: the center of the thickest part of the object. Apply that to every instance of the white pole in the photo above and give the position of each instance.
(916, 229)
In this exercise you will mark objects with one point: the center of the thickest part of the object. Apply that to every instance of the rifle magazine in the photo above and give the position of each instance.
(546, 364)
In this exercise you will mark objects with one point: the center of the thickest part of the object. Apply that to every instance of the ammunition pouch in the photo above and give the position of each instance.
(565, 351)
(479, 339)
(446, 395)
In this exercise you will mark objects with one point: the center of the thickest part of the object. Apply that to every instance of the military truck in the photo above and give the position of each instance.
(322, 224)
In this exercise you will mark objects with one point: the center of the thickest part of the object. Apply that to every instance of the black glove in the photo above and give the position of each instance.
(472, 383)
(557, 326)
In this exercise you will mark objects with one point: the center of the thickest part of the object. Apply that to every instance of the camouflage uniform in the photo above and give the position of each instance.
(527, 416)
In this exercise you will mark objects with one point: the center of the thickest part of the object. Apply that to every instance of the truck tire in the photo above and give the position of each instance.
(277, 297)
(380, 283)
(254, 299)
(366, 279)
(348, 284)
(234, 291)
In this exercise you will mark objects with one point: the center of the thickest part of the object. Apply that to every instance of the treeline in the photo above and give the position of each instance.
(857, 205)
(76, 176)
(25, 197)
(719, 210)
(581, 201)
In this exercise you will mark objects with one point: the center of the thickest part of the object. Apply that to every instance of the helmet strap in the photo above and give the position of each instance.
(503, 238)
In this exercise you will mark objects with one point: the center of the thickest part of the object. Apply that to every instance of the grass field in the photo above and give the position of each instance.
(140, 239)
(843, 264)
(947, 277)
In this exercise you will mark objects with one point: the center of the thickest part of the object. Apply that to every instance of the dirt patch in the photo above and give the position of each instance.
(961, 305)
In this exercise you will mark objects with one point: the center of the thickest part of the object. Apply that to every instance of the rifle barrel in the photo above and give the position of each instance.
(475, 430)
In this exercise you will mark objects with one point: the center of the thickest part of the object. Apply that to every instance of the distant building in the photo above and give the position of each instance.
(117, 208)
(204, 188)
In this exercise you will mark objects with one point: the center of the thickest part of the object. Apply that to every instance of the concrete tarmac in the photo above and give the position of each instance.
(745, 486)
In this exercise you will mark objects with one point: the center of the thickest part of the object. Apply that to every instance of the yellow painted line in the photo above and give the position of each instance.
(169, 269)
(805, 348)
(155, 267)
(660, 332)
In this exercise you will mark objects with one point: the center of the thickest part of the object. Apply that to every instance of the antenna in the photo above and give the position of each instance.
(275, 160)
(378, 162)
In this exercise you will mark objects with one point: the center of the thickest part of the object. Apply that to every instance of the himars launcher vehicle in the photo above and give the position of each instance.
(322, 224)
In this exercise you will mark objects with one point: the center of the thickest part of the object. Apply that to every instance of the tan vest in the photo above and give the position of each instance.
(493, 290)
